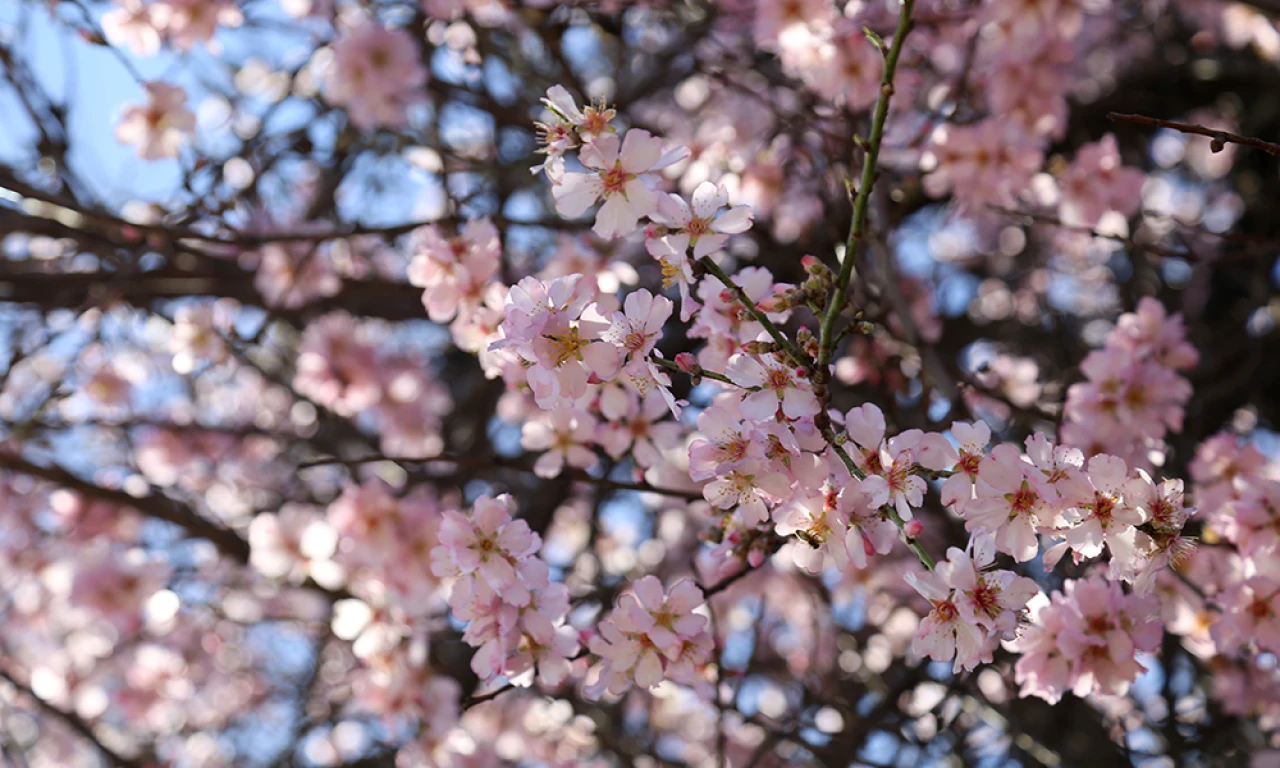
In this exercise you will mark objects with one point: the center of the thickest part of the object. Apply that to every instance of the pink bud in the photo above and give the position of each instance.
(867, 546)
(913, 528)
(802, 372)
(755, 557)
(726, 296)
(808, 260)
(687, 362)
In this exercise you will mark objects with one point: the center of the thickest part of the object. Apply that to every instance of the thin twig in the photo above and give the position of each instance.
(1219, 138)
(826, 338)
(75, 723)
(499, 462)
(797, 356)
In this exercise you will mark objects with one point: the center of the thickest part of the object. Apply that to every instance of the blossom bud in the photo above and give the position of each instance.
(802, 372)
(868, 546)
(687, 362)
(913, 528)
(755, 556)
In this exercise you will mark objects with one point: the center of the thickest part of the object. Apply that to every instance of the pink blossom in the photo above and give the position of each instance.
(991, 599)
(189, 22)
(292, 274)
(820, 525)
(986, 163)
(623, 174)
(650, 635)
(571, 127)
(636, 330)
(846, 69)
(1096, 182)
(1251, 610)
(895, 484)
(566, 436)
(870, 530)
(747, 489)
(1009, 506)
(377, 73)
(1085, 639)
(488, 542)
(672, 253)
(781, 389)
(935, 452)
(726, 441)
(944, 634)
(640, 432)
(454, 272)
(282, 545)
(704, 222)
(160, 127)
(1101, 515)
(134, 25)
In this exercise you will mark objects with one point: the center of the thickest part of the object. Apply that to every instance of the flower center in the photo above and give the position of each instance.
(634, 341)
(615, 180)
(779, 379)
(566, 346)
(697, 227)
(670, 272)
(946, 611)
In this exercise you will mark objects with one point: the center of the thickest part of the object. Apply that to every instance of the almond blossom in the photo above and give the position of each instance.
(377, 73)
(648, 635)
(624, 174)
(1009, 506)
(162, 126)
(1099, 514)
(780, 388)
(704, 222)
(895, 484)
(637, 329)
(1085, 639)
(944, 634)
(566, 436)
(454, 272)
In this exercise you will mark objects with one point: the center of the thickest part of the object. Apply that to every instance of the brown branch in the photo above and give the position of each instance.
(1219, 138)
(152, 505)
(498, 462)
(75, 723)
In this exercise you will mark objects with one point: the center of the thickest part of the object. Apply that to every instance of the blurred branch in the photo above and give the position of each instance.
(76, 724)
(1219, 138)
(152, 505)
(498, 462)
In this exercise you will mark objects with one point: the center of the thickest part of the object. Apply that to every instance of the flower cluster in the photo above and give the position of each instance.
(651, 635)
(377, 74)
(160, 127)
(1132, 394)
(974, 606)
(502, 589)
(1085, 639)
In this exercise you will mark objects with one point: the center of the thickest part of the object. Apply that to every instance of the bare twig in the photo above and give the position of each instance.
(1219, 138)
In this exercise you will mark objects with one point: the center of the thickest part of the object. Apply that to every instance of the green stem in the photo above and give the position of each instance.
(798, 357)
(888, 509)
(671, 365)
(826, 339)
